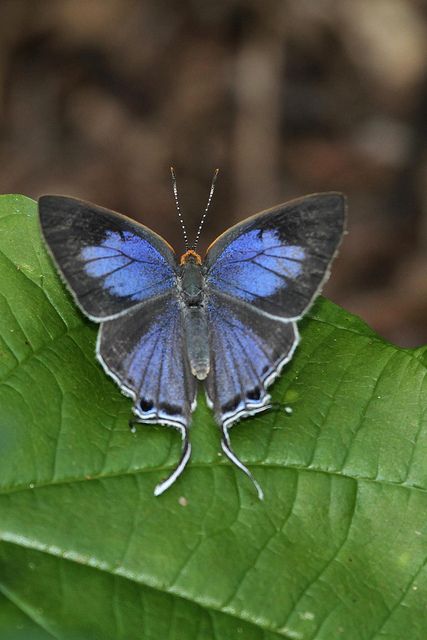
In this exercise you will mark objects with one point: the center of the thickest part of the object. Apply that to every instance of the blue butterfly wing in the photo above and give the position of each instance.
(109, 262)
(262, 275)
(278, 260)
(123, 275)
(144, 351)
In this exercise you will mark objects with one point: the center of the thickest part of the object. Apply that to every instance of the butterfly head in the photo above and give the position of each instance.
(190, 256)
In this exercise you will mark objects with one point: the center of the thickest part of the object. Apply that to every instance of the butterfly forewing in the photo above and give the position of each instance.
(277, 260)
(109, 262)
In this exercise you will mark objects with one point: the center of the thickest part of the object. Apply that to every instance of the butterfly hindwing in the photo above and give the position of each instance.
(248, 350)
(109, 262)
(144, 351)
(277, 260)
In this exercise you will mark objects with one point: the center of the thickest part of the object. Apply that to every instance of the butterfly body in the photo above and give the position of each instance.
(167, 325)
(192, 290)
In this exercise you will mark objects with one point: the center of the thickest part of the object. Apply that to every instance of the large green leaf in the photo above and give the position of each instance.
(337, 549)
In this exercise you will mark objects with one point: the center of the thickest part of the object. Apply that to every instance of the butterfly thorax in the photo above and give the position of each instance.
(192, 282)
(192, 294)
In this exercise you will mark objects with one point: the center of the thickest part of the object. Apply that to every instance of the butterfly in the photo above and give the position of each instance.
(228, 320)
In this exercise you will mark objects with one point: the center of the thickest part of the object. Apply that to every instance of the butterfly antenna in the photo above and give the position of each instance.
(226, 447)
(205, 213)
(181, 220)
(185, 456)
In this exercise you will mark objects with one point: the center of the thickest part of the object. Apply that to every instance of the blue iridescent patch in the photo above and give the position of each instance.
(129, 266)
(256, 265)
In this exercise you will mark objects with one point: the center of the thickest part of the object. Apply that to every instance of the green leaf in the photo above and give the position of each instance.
(337, 550)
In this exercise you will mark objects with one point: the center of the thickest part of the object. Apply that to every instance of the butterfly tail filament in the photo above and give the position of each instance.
(185, 456)
(226, 447)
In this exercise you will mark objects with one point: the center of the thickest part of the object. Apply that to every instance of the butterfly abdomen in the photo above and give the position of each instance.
(192, 292)
(197, 340)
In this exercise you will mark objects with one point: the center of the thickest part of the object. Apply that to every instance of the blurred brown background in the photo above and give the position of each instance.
(288, 97)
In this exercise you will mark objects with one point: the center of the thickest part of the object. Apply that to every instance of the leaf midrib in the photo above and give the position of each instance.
(7, 491)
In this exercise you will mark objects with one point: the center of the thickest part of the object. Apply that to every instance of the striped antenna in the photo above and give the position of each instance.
(181, 220)
(205, 213)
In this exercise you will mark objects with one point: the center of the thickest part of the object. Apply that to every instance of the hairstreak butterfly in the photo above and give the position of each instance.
(167, 323)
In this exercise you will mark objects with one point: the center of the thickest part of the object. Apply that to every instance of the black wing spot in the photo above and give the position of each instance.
(254, 394)
(146, 405)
